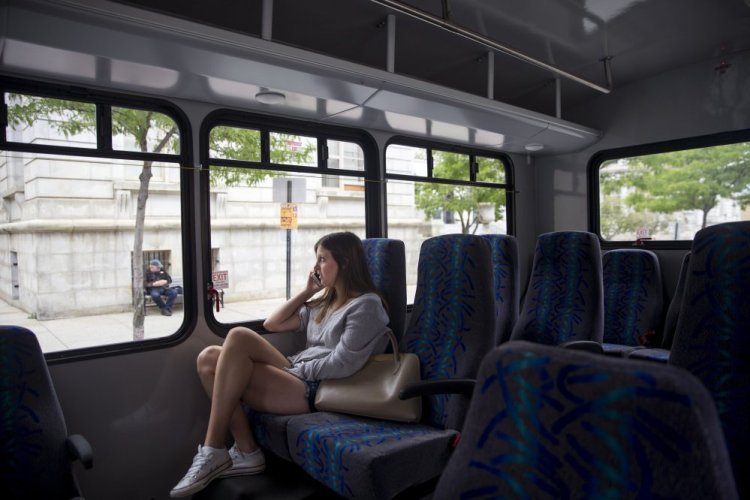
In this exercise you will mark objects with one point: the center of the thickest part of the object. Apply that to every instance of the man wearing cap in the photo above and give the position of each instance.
(157, 284)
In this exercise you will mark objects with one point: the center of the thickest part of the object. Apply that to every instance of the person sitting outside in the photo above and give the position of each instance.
(157, 284)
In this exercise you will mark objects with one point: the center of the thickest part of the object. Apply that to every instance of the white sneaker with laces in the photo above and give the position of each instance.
(245, 463)
(208, 463)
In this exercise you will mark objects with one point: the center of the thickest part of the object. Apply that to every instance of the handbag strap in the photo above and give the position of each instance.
(394, 345)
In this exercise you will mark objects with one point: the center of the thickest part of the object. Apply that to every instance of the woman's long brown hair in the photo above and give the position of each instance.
(346, 249)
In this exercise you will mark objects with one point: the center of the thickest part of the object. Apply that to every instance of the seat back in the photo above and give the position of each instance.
(504, 250)
(712, 339)
(670, 319)
(34, 462)
(546, 422)
(452, 323)
(564, 296)
(633, 297)
(386, 260)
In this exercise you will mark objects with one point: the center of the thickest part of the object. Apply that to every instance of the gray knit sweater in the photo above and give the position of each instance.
(339, 345)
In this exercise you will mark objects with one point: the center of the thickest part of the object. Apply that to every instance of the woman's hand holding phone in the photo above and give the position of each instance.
(315, 277)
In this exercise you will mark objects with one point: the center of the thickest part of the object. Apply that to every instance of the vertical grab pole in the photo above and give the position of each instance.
(267, 21)
(288, 246)
(391, 54)
(490, 75)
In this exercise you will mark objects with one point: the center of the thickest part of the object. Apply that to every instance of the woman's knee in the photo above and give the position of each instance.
(242, 335)
(207, 359)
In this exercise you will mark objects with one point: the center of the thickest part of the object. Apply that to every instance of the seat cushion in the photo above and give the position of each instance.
(270, 432)
(712, 338)
(619, 350)
(633, 297)
(564, 297)
(452, 322)
(655, 354)
(546, 422)
(506, 282)
(386, 260)
(365, 458)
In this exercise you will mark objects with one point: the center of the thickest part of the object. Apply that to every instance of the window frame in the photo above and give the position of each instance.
(600, 157)
(104, 101)
(508, 186)
(374, 194)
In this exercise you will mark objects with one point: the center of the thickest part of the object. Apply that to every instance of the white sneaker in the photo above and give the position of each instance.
(245, 464)
(208, 463)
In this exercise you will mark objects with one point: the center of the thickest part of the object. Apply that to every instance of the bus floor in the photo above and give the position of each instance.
(286, 481)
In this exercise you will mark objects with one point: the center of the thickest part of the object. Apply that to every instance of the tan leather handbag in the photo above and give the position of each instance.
(373, 390)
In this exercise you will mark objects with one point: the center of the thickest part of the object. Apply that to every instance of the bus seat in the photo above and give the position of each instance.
(386, 261)
(37, 452)
(506, 281)
(712, 340)
(670, 320)
(451, 327)
(546, 422)
(633, 300)
(661, 354)
(564, 298)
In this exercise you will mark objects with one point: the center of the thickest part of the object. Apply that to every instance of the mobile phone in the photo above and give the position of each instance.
(316, 279)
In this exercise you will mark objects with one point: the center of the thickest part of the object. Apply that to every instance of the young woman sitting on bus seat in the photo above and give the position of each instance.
(344, 326)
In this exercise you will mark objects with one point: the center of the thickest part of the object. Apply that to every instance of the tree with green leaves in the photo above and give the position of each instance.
(463, 200)
(694, 179)
(143, 127)
(619, 221)
(236, 143)
(152, 132)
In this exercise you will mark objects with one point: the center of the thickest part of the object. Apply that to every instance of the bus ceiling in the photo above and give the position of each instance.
(104, 43)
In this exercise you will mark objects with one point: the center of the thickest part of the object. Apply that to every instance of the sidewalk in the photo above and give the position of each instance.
(89, 331)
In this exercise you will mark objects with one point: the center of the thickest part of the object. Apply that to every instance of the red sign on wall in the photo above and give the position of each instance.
(220, 279)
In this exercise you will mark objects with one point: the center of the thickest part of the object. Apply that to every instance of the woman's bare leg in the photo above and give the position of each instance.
(239, 427)
(249, 367)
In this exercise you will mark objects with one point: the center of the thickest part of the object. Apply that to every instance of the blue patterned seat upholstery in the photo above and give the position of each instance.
(661, 354)
(633, 300)
(35, 449)
(386, 261)
(547, 422)
(451, 327)
(673, 311)
(712, 340)
(506, 283)
(564, 300)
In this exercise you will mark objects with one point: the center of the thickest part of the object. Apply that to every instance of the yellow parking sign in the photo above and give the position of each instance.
(288, 216)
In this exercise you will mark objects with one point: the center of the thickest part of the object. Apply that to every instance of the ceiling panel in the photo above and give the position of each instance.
(642, 37)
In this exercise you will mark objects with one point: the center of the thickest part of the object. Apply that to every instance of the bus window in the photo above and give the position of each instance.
(50, 121)
(406, 160)
(73, 226)
(234, 143)
(454, 199)
(291, 149)
(345, 155)
(671, 195)
(490, 170)
(450, 165)
(267, 216)
(143, 130)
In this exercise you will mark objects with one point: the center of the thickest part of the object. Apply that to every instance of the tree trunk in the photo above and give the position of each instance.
(140, 219)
